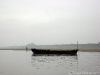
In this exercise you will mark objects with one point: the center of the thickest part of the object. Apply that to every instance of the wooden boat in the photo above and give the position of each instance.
(48, 51)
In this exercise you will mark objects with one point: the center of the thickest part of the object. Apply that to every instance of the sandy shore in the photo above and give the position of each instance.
(90, 50)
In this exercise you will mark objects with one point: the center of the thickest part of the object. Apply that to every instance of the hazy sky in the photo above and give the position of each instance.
(49, 22)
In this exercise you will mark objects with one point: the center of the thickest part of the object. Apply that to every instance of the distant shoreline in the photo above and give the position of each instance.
(89, 50)
(83, 50)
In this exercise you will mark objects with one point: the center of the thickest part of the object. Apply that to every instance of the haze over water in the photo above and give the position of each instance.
(48, 22)
(15, 62)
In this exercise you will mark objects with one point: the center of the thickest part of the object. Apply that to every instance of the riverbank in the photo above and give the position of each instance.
(83, 50)
(90, 50)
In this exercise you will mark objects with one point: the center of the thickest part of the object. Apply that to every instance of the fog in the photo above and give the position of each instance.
(46, 22)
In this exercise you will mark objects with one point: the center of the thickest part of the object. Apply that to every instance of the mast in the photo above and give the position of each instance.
(77, 44)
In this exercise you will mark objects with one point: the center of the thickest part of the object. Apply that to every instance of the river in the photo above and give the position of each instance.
(21, 62)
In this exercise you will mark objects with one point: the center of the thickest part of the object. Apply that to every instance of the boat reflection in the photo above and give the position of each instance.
(54, 61)
(54, 57)
(54, 54)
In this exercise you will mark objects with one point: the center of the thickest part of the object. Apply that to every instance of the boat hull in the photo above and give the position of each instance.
(41, 51)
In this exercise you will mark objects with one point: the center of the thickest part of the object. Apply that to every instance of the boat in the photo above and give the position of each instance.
(48, 51)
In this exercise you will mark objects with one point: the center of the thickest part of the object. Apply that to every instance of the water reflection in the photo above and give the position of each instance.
(54, 62)
(55, 57)
(54, 54)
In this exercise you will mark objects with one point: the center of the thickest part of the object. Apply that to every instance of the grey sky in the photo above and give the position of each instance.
(49, 21)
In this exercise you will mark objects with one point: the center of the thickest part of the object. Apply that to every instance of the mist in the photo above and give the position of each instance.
(49, 22)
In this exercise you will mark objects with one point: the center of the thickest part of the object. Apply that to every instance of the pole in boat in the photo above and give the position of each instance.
(26, 48)
(77, 45)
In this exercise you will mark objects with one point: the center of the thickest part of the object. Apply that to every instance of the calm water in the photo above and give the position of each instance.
(25, 63)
